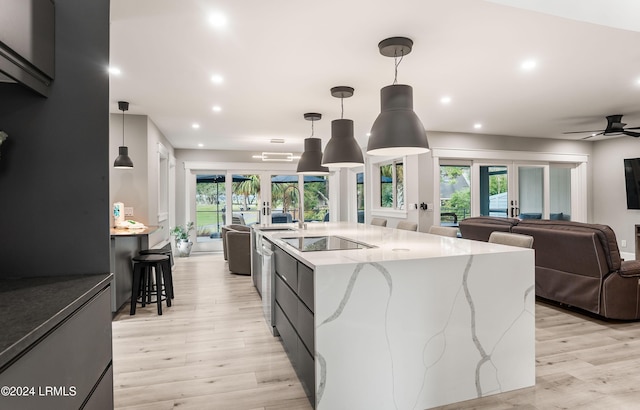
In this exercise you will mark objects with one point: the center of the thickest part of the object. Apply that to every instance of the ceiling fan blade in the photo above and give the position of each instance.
(582, 132)
(593, 135)
(631, 133)
(633, 128)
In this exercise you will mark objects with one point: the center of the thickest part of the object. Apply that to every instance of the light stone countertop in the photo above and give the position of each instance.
(390, 244)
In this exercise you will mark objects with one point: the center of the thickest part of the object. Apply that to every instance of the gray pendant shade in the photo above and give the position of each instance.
(123, 160)
(309, 163)
(342, 150)
(397, 130)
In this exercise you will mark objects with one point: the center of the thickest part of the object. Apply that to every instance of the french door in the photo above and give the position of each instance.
(510, 189)
(217, 197)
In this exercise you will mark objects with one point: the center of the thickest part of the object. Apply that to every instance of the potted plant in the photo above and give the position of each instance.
(183, 243)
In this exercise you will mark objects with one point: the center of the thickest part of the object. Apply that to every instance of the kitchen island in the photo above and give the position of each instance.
(412, 322)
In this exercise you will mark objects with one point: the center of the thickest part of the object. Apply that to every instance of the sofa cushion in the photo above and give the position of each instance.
(479, 228)
(604, 233)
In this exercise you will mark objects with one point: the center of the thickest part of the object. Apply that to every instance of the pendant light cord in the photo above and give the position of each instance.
(397, 63)
(342, 108)
(312, 121)
(123, 128)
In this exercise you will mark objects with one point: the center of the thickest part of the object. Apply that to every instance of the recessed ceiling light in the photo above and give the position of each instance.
(368, 134)
(477, 125)
(195, 125)
(218, 20)
(114, 71)
(445, 100)
(200, 145)
(217, 79)
(528, 65)
(217, 108)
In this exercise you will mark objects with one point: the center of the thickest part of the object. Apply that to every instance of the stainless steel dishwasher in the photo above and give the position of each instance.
(268, 293)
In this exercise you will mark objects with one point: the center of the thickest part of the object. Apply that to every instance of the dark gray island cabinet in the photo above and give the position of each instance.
(55, 346)
(294, 301)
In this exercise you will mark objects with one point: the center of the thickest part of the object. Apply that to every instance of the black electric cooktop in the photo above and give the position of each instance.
(324, 243)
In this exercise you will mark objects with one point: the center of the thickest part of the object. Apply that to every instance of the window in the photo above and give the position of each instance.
(391, 188)
(163, 183)
(455, 194)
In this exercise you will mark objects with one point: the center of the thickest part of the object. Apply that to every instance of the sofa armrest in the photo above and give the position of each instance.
(630, 269)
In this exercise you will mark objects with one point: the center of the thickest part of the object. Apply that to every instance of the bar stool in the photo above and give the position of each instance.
(142, 266)
(166, 269)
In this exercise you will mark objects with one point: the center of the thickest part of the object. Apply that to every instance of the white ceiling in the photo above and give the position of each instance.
(280, 58)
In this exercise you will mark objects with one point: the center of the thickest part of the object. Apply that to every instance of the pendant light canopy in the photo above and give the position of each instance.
(397, 130)
(342, 150)
(310, 161)
(123, 161)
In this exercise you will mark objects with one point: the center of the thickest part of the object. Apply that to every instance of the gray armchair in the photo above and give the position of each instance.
(239, 251)
(223, 232)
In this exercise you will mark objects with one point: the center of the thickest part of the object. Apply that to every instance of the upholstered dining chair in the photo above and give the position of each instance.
(512, 239)
(444, 231)
(378, 221)
(239, 252)
(225, 229)
(407, 226)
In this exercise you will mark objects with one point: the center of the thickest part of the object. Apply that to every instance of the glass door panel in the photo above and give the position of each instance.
(360, 197)
(284, 198)
(316, 198)
(245, 199)
(494, 190)
(530, 192)
(210, 205)
(560, 192)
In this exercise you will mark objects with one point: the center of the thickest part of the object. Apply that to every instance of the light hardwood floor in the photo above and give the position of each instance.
(212, 350)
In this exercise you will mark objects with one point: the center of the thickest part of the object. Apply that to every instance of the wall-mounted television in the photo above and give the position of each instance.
(632, 182)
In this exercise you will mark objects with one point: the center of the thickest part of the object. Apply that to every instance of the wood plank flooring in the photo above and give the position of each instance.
(212, 350)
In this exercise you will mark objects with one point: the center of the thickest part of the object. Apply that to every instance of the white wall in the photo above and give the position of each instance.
(129, 186)
(137, 187)
(609, 199)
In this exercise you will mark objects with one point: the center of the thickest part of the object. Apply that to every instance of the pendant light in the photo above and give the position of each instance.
(309, 163)
(123, 161)
(342, 150)
(397, 130)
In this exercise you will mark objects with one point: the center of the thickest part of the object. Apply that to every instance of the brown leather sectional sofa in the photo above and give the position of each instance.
(577, 264)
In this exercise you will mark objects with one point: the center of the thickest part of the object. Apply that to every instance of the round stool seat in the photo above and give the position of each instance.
(155, 252)
(150, 258)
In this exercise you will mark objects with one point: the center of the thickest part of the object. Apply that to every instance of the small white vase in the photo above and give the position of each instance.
(184, 248)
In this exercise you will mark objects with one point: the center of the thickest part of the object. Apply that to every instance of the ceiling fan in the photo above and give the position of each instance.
(614, 126)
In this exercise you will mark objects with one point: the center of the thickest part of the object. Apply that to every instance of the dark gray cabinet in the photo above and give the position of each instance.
(27, 42)
(294, 318)
(70, 367)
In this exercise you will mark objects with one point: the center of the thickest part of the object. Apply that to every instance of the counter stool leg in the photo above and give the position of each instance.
(158, 271)
(135, 290)
(168, 280)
